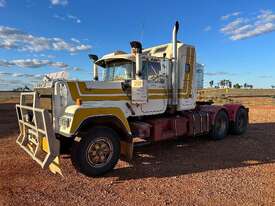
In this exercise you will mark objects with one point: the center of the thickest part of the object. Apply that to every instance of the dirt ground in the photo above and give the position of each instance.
(239, 170)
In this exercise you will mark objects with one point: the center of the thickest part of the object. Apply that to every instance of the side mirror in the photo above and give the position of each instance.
(93, 57)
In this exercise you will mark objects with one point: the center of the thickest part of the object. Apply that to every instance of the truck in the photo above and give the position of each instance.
(147, 94)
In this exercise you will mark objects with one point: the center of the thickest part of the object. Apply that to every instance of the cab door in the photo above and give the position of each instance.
(156, 73)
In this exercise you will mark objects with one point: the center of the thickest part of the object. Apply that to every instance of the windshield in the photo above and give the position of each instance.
(117, 70)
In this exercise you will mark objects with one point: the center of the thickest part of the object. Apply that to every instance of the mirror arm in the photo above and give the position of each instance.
(95, 72)
(138, 66)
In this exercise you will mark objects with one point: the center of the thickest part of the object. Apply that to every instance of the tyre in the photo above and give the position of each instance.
(97, 152)
(220, 127)
(239, 126)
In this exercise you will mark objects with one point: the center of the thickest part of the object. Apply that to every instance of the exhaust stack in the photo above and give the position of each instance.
(175, 64)
(94, 58)
(137, 51)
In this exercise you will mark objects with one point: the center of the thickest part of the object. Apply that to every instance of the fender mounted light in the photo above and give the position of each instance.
(78, 101)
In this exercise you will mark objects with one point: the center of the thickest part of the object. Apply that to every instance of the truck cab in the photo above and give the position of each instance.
(146, 93)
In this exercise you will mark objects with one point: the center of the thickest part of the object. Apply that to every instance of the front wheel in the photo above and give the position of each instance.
(220, 127)
(97, 152)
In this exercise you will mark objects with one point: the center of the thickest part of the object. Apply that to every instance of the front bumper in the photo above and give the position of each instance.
(36, 133)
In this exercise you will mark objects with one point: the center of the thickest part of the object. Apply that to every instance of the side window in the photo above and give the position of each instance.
(154, 69)
(145, 69)
(151, 69)
(164, 67)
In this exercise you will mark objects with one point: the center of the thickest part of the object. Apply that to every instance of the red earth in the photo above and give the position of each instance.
(239, 170)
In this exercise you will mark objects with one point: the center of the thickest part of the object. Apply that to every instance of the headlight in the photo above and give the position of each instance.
(64, 122)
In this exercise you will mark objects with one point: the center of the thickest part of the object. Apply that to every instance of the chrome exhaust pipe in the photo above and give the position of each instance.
(137, 51)
(175, 64)
(94, 58)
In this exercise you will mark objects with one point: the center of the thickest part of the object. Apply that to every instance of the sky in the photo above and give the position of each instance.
(234, 39)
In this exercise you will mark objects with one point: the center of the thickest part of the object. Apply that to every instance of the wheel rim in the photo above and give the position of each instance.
(221, 125)
(241, 121)
(100, 152)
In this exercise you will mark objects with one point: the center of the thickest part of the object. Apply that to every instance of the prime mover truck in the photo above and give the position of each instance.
(148, 94)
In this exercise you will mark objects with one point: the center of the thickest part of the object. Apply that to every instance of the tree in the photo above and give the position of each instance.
(248, 86)
(22, 89)
(222, 83)
(237, 86)
(228, 83)
(273, 86)
(225, 83)
(211, 83)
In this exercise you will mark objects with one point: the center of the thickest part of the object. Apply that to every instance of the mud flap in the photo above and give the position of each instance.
(126, 149)
(36, 135)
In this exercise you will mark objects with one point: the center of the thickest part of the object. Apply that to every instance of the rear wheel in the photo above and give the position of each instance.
(220, 127)
(97, 152)
(240, 124)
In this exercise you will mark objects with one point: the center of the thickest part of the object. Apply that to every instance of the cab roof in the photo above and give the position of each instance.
(156, 51)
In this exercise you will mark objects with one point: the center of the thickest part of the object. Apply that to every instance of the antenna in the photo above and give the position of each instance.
(142, 32)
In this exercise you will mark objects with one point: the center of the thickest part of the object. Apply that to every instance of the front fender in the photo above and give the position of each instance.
(81, 114)
(111, 116)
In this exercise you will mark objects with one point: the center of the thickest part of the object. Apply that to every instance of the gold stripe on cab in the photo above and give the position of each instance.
(84, 113)
(188, 78)
(84, 90)
(159, 93)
